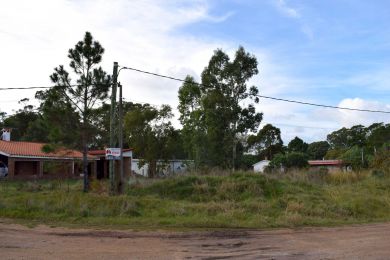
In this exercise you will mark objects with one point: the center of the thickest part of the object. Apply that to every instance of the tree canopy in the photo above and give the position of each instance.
(266, 143)
(77, 98)
(212, 114)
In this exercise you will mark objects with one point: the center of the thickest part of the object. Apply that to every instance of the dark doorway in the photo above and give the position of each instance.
(4, 159)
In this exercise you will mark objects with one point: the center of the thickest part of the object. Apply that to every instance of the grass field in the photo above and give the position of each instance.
(239, 200)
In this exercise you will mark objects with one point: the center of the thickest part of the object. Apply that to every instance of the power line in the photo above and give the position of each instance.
(303, 126)
(21, 88)
(262, 96)
(321, 105)
(43, 87)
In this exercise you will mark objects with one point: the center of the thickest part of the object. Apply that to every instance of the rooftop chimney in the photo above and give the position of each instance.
(6, 134)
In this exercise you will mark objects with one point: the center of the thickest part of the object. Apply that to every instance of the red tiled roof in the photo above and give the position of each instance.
(34, 150)
(325, 162)
(103, 152)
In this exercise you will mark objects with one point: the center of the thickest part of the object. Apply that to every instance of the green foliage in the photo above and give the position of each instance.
(346, 138)
(48, 148)
(289, 160)
(297, 145)
(22, 122)
(266, 143)
(318, 150)
(211, 113)
(378, 135)
(381, 162)
(239, 200)
(335, 154)
(151, 134)
(75, 100)
(246, 161)
(354, 158)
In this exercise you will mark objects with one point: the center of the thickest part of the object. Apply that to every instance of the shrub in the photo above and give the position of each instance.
(290, 160)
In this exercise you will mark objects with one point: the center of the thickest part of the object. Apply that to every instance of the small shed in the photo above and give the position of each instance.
(102, 171)
(260, 166)
(27, 160)
(331, 165)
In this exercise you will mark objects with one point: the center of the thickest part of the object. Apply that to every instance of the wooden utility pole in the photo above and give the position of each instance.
(113, 188)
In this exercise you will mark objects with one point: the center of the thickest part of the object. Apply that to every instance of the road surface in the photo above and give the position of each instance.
(43, 242)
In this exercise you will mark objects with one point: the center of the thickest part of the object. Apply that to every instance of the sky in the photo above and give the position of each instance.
(333, 52)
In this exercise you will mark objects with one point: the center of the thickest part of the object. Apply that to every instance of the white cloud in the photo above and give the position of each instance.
(36, 35)
(149, 35)
(347, 118)
(287, 10)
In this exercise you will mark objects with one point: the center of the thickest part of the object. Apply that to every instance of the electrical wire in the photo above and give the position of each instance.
(199, 84)
(21, 88)
(42, 87)
(262, 96)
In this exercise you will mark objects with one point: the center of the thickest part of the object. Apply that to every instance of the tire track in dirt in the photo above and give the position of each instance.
(42, 242)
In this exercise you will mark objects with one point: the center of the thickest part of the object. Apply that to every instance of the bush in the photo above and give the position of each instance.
(290, 160)
(381, 162)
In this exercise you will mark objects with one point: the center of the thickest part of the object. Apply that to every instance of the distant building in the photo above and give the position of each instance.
(164, 168)
(27, 160)
(260, 166)
(331, 165)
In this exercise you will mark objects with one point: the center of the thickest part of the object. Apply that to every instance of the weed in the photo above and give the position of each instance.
(207, 201)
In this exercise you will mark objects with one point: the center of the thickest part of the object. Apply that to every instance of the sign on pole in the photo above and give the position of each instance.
(113, 153)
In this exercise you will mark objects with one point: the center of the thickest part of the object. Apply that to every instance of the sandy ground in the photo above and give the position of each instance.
(43, 242)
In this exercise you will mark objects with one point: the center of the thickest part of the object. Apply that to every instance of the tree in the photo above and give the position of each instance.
(318, 150)
(266, 143)
(91, 85)
(59, 120)
(192, 120)
(346, 138)
(289, 160)
(355, 157)
(378, 134)
(150, 134)
(21, 122)
(297, 145)
(213, 110)
(100, 124)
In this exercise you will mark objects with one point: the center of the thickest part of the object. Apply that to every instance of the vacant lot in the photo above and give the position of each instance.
(42, 242)
(240, 200)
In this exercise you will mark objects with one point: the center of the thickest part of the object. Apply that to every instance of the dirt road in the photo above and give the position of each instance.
(42, 242)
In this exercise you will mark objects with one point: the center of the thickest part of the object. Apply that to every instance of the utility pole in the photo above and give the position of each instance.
(121, 187)
(113, 188)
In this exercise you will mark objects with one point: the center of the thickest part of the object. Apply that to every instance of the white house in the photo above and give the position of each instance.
(260, 166)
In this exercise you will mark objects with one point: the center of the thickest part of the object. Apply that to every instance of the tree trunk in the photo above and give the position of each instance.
(85, 164)
(152, 168)
(84, 141)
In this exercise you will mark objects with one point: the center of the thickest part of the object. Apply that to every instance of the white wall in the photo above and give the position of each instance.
(260, 166)
(163, 167)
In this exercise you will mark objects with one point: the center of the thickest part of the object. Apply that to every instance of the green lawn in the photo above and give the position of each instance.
(239, 200)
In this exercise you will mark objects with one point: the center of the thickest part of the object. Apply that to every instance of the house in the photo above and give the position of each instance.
(102, 171)
(27, 160)
(164, 168)
(260, 166)
(331, 165)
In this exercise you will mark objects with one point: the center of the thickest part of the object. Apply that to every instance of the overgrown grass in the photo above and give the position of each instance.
(240, 200)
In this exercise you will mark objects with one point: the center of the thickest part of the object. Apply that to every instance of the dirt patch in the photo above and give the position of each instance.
(42, 242)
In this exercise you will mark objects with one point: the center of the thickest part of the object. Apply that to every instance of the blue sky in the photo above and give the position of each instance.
(330, 52)
(325, 43)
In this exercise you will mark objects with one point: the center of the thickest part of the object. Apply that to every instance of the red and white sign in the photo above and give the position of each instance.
(113, 153)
